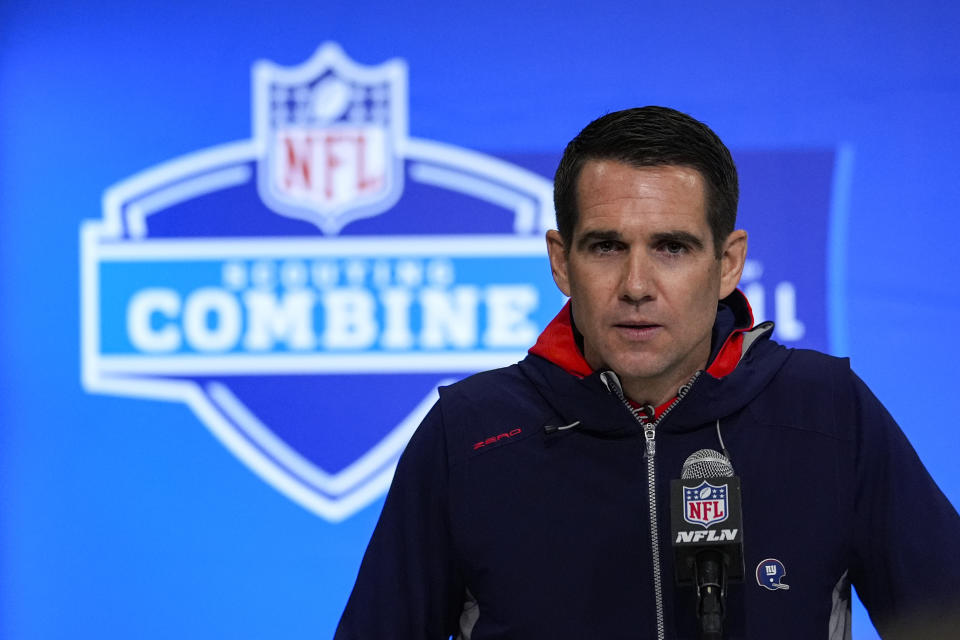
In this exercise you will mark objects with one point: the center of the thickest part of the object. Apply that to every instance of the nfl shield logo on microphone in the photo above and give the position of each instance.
(705, 504)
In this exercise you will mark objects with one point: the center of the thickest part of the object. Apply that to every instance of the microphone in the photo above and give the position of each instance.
(707, 532)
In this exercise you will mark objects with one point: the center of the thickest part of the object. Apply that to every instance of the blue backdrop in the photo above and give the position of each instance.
(136, 509)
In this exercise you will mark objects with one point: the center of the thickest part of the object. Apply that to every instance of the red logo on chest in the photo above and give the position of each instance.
(502, 436)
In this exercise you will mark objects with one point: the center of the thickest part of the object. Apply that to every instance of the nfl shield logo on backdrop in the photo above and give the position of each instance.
(330, 134)
(705, 504)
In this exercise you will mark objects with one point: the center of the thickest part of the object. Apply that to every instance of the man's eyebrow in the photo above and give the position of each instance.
(597, 235)
(683, 237)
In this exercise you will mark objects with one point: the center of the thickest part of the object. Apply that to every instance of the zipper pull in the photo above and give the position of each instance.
(649, 433)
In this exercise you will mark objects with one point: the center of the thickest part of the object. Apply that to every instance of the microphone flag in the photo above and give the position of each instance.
(706, 513)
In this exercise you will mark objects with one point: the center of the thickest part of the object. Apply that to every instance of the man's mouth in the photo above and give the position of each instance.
(636, 329)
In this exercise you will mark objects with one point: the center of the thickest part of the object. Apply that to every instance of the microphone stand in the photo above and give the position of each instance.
(711, 579)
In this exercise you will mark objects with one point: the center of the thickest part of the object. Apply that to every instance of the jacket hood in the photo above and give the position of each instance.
(742, 362)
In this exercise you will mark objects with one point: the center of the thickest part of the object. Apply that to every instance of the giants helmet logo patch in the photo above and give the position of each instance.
(770, 574)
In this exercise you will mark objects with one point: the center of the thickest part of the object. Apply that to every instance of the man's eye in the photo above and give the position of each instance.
(674, 248)
(605, 246)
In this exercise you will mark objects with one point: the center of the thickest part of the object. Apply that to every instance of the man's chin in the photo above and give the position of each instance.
(637, 371)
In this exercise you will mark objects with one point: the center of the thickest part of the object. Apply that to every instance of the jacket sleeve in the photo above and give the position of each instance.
(904, 565)
(408, 586)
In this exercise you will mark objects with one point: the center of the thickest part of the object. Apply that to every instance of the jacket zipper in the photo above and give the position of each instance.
(649, 436)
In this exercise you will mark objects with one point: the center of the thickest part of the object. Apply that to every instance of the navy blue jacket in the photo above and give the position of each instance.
(496, 527)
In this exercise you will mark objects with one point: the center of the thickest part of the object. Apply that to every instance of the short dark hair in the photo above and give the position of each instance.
(649, 137)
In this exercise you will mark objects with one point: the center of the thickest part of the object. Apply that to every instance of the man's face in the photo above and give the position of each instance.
(643, 274)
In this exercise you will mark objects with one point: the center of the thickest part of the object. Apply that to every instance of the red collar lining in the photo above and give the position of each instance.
(558, 345)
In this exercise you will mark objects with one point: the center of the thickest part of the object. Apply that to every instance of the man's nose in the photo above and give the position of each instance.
(636, 282)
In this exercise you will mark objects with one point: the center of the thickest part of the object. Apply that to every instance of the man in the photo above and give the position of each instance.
(533, 502)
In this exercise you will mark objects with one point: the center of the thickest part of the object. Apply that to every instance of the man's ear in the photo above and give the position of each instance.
(731, 261)
(558, 261)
